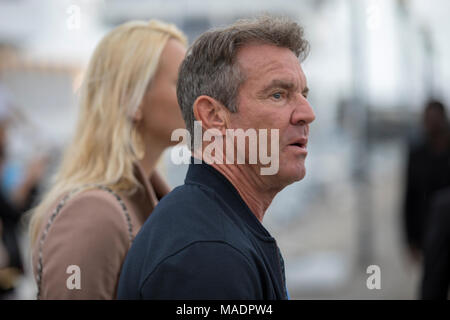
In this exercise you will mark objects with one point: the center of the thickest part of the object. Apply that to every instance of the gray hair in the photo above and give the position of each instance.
(210, 66)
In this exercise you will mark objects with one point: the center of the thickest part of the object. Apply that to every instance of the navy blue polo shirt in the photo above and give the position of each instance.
(203, 242)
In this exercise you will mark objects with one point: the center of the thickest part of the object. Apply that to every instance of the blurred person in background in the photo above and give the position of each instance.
(107, 185)
(436, 264)
(8, 275)
(428, 171)
(4, 258)
(14, 203)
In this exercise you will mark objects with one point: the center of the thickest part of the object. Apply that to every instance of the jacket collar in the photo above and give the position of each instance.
(204, 174)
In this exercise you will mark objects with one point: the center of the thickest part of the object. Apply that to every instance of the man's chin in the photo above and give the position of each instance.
(294, 175)
(300, 175)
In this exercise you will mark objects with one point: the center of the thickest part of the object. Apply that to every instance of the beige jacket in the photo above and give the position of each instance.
(91, 232)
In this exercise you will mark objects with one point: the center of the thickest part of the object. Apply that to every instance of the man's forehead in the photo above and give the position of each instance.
(266, 63)
(257, 60)
(261, 54)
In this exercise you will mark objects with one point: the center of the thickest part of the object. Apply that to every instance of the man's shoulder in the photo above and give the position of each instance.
(199, 270)
(188, 216)
(188, 197)
(191, 212)
(204, 269)
(188, 207)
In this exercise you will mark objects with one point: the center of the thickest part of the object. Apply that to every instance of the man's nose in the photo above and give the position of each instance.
(303, 112)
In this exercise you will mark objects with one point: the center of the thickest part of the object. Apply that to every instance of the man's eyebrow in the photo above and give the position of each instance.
(305, 91)
(284, 84)
(277, 83)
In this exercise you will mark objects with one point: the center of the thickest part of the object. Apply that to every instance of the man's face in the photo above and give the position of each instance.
(273, 96)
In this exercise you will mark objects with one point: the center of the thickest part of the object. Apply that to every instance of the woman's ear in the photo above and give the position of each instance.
(137, 117)
(211, 113)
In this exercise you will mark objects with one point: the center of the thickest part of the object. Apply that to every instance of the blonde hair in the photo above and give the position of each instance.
(106, 143)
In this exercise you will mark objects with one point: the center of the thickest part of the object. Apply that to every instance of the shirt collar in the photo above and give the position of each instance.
(204, 174)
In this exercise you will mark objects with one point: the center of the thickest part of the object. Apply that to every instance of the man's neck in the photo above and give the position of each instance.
(250, 187)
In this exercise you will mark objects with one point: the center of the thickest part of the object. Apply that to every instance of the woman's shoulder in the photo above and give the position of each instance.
(93, 199)
(93, 210)
(88, 231)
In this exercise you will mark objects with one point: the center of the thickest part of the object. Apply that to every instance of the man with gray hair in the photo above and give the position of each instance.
(205, 240)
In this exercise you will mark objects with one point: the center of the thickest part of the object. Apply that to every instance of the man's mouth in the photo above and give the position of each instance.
(301, 143)
(299, 146)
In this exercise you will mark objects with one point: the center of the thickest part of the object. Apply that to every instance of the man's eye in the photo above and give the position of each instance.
(277, 95)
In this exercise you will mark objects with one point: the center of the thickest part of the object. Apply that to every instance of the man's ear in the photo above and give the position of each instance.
(211, 113)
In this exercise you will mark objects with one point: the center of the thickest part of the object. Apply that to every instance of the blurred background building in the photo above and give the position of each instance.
(373, 65)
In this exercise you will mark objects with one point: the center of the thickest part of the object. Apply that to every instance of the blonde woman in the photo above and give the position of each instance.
(107, 185)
